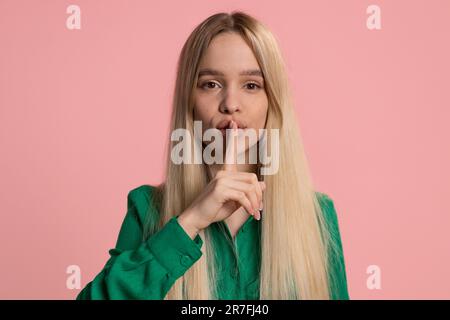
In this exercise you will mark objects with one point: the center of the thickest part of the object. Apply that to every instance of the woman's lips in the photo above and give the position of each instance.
(225, 124)
(240, 131)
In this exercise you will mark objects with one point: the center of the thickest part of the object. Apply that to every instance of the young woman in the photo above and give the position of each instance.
(201, 233)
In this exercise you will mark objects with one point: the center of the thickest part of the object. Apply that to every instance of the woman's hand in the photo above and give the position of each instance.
(224, 194)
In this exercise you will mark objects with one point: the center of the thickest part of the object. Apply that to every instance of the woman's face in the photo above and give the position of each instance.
(230, 86)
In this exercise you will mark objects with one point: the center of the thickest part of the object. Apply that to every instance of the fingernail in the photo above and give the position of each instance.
(261, 206)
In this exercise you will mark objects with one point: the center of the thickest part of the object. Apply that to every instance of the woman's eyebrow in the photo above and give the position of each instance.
(212, 72)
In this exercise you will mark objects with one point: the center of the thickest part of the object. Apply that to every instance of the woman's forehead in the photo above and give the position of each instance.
(229, 53)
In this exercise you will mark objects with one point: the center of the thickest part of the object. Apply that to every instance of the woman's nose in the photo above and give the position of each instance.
(230, 104)
(229, 109)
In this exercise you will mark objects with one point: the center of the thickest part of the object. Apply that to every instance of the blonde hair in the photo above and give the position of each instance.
(295, 238)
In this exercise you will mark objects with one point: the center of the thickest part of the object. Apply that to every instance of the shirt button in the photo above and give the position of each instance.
(185, 260)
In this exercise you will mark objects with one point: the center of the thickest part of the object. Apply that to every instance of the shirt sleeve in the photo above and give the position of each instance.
(143, 269)
(337, 274)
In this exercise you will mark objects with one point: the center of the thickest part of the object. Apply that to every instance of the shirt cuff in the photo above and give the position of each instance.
(174, 249)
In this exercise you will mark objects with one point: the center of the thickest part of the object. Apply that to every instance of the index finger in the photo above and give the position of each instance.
(231, 152)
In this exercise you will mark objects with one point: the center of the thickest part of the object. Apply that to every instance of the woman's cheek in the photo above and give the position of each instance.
(203, 112)
(262, 115)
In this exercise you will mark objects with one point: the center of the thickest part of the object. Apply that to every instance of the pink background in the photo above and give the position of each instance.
(84, 116)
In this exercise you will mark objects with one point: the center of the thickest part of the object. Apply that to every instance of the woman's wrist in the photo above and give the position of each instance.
(187, 221)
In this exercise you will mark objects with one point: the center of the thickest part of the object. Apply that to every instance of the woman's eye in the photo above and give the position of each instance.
(253, 86)
(209, 85)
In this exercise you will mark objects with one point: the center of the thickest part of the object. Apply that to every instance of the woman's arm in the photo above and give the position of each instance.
(144, 269)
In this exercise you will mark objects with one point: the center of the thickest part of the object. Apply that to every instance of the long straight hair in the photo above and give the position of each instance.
(295, 238)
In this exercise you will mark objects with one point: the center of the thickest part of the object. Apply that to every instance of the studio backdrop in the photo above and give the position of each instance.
(86, 91)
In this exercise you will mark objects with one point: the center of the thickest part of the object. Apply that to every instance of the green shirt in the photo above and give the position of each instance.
(147, 269)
